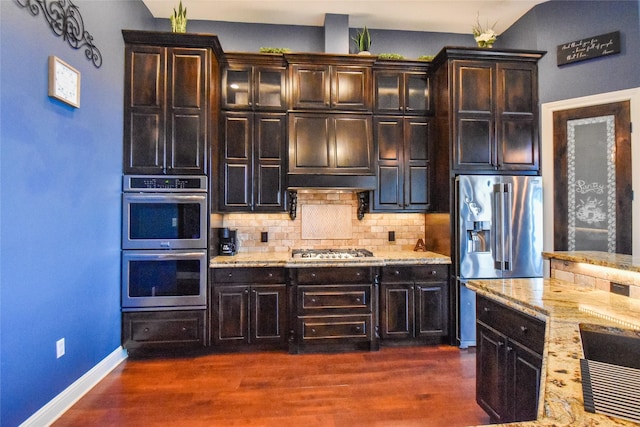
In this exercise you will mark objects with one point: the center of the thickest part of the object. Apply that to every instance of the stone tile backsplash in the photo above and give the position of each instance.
(372, 232)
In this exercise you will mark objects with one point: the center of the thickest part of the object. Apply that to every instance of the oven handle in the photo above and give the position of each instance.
(165, 197)
(141, 255)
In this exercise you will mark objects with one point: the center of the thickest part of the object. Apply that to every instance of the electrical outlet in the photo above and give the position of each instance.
(392, 236)
(60, 348)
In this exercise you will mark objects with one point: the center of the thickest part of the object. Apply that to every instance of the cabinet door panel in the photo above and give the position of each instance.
(431, 316)
(490, 372)
(270, 88)
(188, 142)
(389, 191)
(397, 310)
(524, 384)
(518, 145)
(417, 187)
(147, 76)
(268, 320)
(518, 83)
(417, 93)
(270, 140)
(269, 186)
(144, 150)
(309, 136)
(187, 77)
(350, 88)
(236, 190)
(353, 143)
(388, 92)
(388, 135)
(230, 314)
(474, 144)
(476, 92)
(236, 87)
(311, 86)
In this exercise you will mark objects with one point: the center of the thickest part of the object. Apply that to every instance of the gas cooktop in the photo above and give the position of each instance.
(329, 254)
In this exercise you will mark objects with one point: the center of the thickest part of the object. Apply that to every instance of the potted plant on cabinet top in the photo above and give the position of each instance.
(363, 41)
(179, 19)
(484, 36)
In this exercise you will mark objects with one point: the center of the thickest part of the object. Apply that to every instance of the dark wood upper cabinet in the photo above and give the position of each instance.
(402, 89)
(168, 81)
(252, 162)
(330, 143)
(330, 82)
(486, 115)
(496, 112)
(254, 81)
(403, 150)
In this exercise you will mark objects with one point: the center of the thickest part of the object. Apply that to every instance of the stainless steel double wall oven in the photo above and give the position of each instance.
(164, 242)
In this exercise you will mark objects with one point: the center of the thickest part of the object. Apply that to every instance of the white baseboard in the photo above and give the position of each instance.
(59, 404)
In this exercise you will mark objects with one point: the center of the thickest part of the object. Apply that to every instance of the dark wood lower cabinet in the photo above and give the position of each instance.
(334, 309)
(165, 331)
(413, 303)
(248, 308)
(509, 362)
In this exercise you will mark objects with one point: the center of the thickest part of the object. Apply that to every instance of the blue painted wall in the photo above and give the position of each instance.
(555, 22)
(60, 175)
(60, 168)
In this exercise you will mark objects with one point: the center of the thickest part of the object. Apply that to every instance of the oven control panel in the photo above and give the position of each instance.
(155, 183)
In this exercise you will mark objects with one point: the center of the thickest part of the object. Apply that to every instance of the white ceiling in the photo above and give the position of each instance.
(448, 16)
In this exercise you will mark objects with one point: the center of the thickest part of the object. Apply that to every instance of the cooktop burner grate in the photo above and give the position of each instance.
(330, 253)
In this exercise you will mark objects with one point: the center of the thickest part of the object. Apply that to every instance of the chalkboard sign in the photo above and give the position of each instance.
(589, 48)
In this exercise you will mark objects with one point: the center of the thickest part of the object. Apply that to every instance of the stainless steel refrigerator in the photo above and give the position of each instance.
(498, 235)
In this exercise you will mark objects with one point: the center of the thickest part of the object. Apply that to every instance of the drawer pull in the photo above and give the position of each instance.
(313, 331)
(146, 329)
(524, 329)
(433, 272)
(358, 274)
(397, 272)
(357, 299)
(184, 329)
(313, 274)
(486, 309)
(270, 274)
(230, 275)
(313, 300)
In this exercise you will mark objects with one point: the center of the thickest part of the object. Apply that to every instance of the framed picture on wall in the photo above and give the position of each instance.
(64, 82)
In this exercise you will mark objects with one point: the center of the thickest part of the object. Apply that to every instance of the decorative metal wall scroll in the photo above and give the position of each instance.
(65, 21)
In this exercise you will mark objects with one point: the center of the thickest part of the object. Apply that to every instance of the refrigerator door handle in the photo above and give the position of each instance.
(498, 241)
(507, 202)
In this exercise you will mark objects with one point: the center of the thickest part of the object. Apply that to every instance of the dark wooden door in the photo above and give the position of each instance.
(236, 168)
(230, 314)
(268, 314)
(592, 178)
(389, 146)
(417, 155)
(187, 120)
(523, 385)
(350, 88)
(166, 123)
(310, 86)
(490, 372)
(431, 309)
(144, 109)
(270, 133)
(397, 308)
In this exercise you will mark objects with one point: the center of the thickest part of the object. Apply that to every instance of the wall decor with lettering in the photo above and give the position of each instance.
(589, 48)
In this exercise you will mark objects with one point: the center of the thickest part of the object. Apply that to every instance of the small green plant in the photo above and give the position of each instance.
(179, 19)
(275, 50)
(390, 56)
(362, 40)
(426, 57)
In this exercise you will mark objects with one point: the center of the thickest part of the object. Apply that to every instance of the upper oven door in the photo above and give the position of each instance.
(164, 221)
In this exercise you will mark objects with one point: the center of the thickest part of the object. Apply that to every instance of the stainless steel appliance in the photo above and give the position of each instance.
(329, 254)
(164, 242)
(498, 235)
(164, 212)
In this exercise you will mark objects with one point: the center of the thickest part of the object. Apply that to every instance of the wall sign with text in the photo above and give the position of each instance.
(589, 48)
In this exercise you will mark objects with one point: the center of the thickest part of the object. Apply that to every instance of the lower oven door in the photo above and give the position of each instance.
(154, 280)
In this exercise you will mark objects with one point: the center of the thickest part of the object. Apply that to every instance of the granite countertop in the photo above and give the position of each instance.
(605, 259)
(283, 259)
(563, 306)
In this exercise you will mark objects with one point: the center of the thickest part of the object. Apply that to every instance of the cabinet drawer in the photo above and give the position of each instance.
(393, 273)
(517, 326)
(249, 275)
(163, 328)
(327, 298)
(335, 275)
(351, 328)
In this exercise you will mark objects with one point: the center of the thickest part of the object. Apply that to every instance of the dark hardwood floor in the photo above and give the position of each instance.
(401, 386)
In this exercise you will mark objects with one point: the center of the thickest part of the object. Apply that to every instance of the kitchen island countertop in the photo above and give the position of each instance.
(283, 259)
(563, 306)
(603, 259)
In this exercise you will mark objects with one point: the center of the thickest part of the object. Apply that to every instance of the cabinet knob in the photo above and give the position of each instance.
(230, 275)
(524, 329)
(357, 299)
(486, 309)
(358, 274)
(397, 272)
(270, 274)
(313, 274)
(509, 348)
(313, 300)
(146, 329)
(313, 331)
(358, 328)
(433, 272)
(184, 329)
